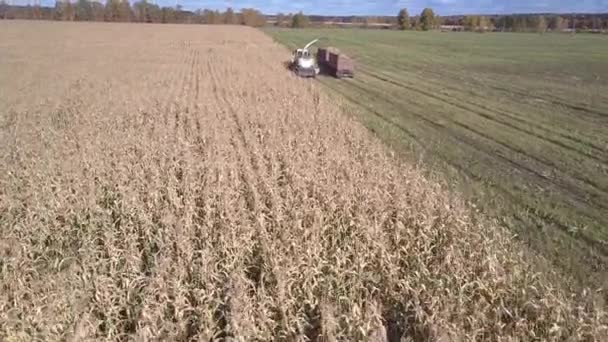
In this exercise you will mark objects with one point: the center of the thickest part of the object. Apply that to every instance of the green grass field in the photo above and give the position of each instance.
(518, 123)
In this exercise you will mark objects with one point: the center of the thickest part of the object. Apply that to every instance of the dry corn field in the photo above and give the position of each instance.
(177, 183)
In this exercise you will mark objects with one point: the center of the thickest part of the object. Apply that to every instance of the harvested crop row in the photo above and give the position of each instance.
(175, 182)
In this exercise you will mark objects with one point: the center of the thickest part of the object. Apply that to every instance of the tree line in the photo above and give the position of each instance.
(508, 23)
(529, 23)
(123, 11)
(146, 12)
(427, 20)
(542, 23)
(297, 20)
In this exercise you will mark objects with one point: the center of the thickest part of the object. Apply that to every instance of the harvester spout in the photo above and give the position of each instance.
(310, 44)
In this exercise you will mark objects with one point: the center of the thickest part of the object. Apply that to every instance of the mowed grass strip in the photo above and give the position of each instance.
(516, 122)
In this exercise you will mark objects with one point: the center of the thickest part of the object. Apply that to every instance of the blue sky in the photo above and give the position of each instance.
(391, 7)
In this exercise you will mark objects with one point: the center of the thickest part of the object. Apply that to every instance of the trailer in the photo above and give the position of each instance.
(341, 65)
(333, 62)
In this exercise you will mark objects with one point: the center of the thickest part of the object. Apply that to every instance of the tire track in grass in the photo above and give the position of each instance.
(497, 120)
(598, 153)
(548, 164)
(544, 216)
(554, 223)
(515, 116)
(580, 197)
(513, 90)
(576, 107)
(585, 180)
(543, 126)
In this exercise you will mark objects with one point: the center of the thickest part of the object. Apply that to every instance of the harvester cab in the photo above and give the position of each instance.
(303, 63)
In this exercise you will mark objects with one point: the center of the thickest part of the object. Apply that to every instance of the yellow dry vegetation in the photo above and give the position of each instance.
(166, 182)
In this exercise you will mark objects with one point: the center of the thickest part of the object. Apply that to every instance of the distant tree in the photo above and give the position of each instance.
(573, 24)
(208, 17)
(477, 23)
(358, 21)
(167, 15)
(504, 23)
(596, 23)
(125, 11)
(533, 23)
(153, 14)
(3, 9)
(26, 12)
(469, 22)
(145, 12)
(485, 24)
(370, 21)
(541, 25)
(68, 12)
(218, 17)
(557, 23)
(416, 23)
(288, 19)
(112, 10)
(427, 19)
(58, 10)
(62, 11)
(561, 24)
(252, 17)
(84, 11)
(280, 20)
(520, 24)
(299, 20)
(439, 21)
(403, 19)
(229, 17)
(582, 24)
(140, 11)
(35, 12)
(98, 10)
(552, 22)
(197, 18)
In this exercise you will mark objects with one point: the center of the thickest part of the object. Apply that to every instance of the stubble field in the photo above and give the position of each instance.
(177, 183)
